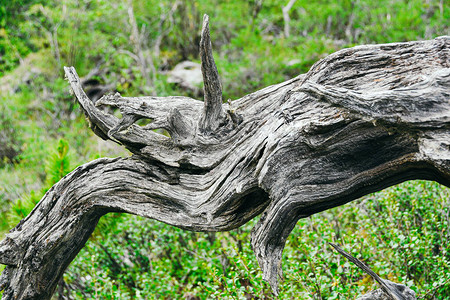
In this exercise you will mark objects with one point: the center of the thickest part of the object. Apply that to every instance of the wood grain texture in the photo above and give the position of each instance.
(213, 113)
(360, 120)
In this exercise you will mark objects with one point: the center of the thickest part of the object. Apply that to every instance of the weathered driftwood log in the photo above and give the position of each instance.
(360, 120)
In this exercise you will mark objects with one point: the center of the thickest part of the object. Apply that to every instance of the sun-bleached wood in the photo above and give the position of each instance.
(360, 120)
(213, 114)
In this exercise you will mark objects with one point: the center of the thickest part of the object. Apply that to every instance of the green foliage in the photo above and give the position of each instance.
(401, 233)
(58, 163)
(386, 231)
(57, 166)
(22, 207)
(10, 143)
(13, 42)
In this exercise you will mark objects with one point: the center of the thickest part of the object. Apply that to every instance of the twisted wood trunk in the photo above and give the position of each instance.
(360, 120)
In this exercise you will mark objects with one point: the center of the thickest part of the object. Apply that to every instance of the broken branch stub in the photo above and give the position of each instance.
(360, 120)
(389, 289)
(213, 114)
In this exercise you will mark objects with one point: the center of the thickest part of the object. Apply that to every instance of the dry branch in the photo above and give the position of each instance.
(287, 19)
(389, 290)
(360, 120)
(213, 113)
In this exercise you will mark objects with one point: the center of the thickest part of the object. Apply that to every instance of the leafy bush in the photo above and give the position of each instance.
(401, 233)
(57, 166)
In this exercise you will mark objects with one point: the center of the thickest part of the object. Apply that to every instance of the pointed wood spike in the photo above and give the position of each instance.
(385, 285)
(213, 113)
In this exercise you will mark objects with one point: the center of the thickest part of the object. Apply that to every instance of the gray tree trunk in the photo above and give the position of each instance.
(360, 120)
